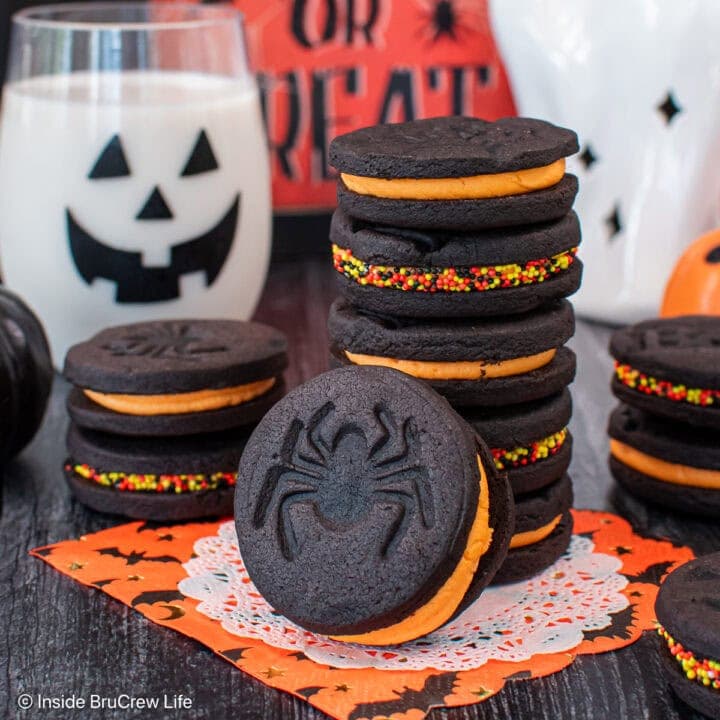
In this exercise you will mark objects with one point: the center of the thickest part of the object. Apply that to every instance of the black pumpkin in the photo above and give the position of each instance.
(26, 374)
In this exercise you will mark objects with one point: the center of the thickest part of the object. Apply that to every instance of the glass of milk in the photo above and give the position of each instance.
(134, 173)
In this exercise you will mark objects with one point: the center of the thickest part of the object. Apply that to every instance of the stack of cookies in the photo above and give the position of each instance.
(455, 243)
(161, 411)
(665, 433)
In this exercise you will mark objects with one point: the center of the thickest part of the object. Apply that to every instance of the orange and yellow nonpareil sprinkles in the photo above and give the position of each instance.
(632, 378)
(705, 672)
(521, 456)
(478, 278)
(135, 482)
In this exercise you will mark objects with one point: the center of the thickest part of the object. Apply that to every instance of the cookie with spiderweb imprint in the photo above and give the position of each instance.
(688, 611)
(175, 377)
(669, 367)
(368, 509)
(456, 173)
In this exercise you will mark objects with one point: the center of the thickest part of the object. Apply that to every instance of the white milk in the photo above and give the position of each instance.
(53, 131)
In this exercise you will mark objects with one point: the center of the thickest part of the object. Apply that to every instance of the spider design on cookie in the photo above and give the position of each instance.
(342, 477)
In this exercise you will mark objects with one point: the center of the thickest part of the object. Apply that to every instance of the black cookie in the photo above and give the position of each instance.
(87, 414)
(445, 147)
(388, 245)
(540, 383)
(650, 439)
(359, 492)
(463, 215)
(702, 699)
(176, 356)
(518, 433)
(381, 268)
(669, 367)
(536, 510)
(695, 501)
(26, 374)
(385, 339)
(533, 512)
(524, 562)
(153, 506)
(99, 468)
(688, 610)
(172, 358)
(450, 340)
(547, 380)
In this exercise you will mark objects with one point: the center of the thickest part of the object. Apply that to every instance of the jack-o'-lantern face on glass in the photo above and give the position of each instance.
(135, 281)
(141, 196)
(134, 173)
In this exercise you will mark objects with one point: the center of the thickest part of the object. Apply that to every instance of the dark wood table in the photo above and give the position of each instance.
(59, 637)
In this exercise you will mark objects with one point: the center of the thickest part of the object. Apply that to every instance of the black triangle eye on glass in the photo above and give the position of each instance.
(112, 163)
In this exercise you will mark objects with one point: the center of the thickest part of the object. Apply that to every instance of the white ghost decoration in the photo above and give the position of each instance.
(639, 80)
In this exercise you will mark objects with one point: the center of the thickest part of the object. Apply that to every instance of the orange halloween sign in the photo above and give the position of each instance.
(329, 66)
(141, 565)
(694, 286)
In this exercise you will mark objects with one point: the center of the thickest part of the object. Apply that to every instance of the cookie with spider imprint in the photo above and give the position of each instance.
(530, 442)
(155, 478)
(458, 173)
(668, 463)
(669, 367)
(369, 510)
(543, 528)
(175, 377)
(688, 613)
(421, 273)
(472, 362)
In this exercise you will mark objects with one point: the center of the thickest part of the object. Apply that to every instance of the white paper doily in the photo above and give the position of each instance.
(546, 614)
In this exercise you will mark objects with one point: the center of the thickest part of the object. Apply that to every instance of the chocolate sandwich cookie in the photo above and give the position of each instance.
(491, 362)
(530, 442)
(665, 462)
(368, 509)
(670, 367)
(437, 274)
(688, 612)
(154, 478)
(176, 377)
(456, 173)
(543, 528)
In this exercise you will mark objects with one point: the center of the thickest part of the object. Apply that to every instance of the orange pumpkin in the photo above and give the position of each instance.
(694, 286)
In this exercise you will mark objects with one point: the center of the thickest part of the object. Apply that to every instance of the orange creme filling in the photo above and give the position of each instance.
(441, 607)
(663, 470)
(530, 537)
(460, 370)
(178, 403)
(472, 187)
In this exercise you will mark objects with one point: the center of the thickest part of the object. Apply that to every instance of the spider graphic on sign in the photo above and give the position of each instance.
(448, 19)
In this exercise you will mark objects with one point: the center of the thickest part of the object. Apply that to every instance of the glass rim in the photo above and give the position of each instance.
(40, 16)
